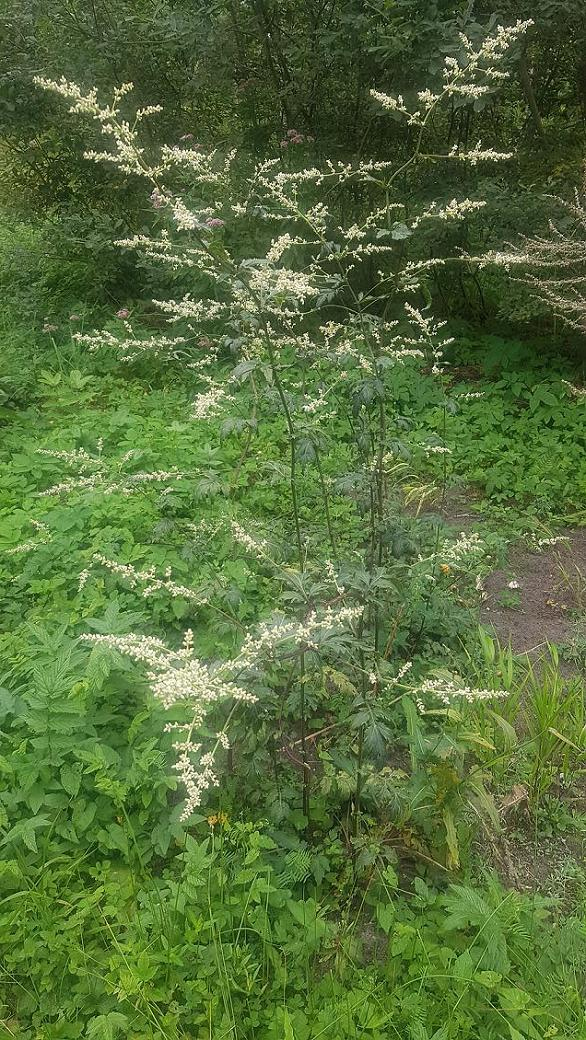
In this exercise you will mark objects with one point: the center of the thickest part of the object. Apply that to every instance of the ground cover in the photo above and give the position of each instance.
(265, 928)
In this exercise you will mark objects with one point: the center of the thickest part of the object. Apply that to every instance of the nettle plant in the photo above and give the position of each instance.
(305, 331)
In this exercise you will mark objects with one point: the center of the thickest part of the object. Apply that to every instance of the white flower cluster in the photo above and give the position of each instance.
(33, 543)
(126, 152)
(209, 403)
(448, 692)
(314, 406)
(472, 78)
(279, 246)
(107, 477)
(398, 678)
(178, 676)
(305, 634)
(460, 551)
(575, 391)
(333, 578)
(500, 258)
(478, 154)
(544, 543)
(148, 578)
(256, 546)
(436, 449)
(428, 330)
(131, 348)
(389, 103)
(128, 155)
(454, 210)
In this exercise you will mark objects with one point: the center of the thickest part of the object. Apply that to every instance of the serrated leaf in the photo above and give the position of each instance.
(82, 816)
(99, 665)
(106, 1027)
(25, 831)
(7, 702)
(71, 778)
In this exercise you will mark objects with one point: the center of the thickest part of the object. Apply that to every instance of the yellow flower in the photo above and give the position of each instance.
(445, 568)
(221, 818)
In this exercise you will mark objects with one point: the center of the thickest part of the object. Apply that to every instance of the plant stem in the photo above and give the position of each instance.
(359, 781)
(304, 759)
(326, 502)
(292, 445)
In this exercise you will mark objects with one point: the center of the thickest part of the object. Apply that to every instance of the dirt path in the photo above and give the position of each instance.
(534, 600)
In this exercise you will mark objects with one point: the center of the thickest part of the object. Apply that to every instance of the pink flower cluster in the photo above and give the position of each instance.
(295, 137)
(190, 140)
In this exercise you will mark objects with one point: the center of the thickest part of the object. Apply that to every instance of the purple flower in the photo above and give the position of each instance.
(214, 222)
(284, 143)
(293, 137)
(123, 313)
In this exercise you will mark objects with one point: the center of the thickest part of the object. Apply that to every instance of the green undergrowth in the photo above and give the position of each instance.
(115, 920)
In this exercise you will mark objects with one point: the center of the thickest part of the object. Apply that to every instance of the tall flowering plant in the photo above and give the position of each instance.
(315, 324)
(552, 264)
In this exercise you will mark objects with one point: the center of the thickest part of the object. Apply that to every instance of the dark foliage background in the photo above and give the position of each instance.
(245, 71)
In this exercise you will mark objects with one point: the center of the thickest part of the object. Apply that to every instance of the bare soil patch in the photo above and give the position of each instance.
(541, 864)
(551, 588)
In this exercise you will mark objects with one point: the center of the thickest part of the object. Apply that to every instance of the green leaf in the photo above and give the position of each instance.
(71, 778)
(453, 859)
(485, 802)
(7, 701)
(385, 915)
(390, 878)
(106, 1027)
(83, 814)
(25, 831)
(565, 740)
(99, 665)
(506, 729)
(288, 1033)
(179, 607)
(463, 966)
(487, 644)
